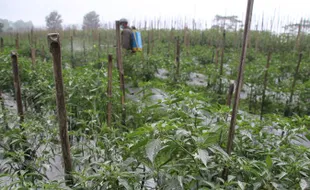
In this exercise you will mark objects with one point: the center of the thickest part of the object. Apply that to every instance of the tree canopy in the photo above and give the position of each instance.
(91, 20)
(53, 21)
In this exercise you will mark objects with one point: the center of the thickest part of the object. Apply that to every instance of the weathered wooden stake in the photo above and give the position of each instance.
(55, 49)
(18, 94)
(43, 53)
(33, 56)
(239, 83)
(177, 59)
(120, 69)
(109, 115)
(84, 50)
(99, 45)
(222, 53)
(230, 94)
(288, 109)
(222, 61)
(265, 85)
(72, 56)
(148, 42)
(17, 41)
(1, 45)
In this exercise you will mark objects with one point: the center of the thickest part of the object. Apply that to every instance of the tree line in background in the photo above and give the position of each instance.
(91, 21)
(9, 26)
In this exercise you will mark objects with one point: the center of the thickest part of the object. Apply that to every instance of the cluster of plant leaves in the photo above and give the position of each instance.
(174, 142)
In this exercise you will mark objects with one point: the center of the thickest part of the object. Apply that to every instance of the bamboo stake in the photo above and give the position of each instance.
(109, 116)
(295, 78)
(148, 42)
(43, 53)
(177, 59)
(222, 61)
(55, 49)
(18, 93)
(1, 45)
(265, 85)
(33, 56)
(230, 94)
(72, 56)
(17, 41)
(239, 82)
(99, 45)
(84, 50)
(121, 70)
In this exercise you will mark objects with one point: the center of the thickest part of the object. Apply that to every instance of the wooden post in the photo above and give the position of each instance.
(288, 106)
(33, 56)
(230, 94)
(148, 42)
(17, 41)
(177, 59)
(72, 57)
(99, 45)
(297, 46)
(43, 53)
(84, 50)
(295, 77)
(239, 83)
(222, 53)
(265, 85)
(1, 45)
(109, 115)
(18, 94)
(120, 69)
(55, 49)
(222, 61)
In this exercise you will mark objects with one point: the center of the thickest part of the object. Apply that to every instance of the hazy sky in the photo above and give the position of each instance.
(72, 11)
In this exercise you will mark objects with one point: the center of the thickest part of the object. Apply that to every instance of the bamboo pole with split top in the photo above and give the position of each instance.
(109, 91)
(239, 82)
(55, 49)
(120, 69)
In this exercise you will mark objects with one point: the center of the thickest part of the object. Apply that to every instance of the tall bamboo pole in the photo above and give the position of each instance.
(55, 49)
(239, 82)
(120, 69)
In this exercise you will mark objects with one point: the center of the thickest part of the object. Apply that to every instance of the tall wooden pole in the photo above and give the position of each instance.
(120, 69)
(18, 94)
(55, 49)
(177, 59)
(265, 85)
(1, 45)
(109, 115)
(239, 82)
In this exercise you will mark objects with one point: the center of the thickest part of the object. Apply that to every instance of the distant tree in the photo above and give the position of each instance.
(91, 20)
(293, 28)
(1, 27)
(53, 21)
(226, 22)
(6, 24)
(20, 25)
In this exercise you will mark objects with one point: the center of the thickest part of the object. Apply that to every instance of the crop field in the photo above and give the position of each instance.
(92, 116)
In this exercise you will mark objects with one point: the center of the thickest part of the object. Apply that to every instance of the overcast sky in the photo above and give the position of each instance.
(72, 11)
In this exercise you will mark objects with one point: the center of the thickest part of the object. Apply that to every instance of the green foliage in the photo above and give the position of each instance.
(176, 132)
